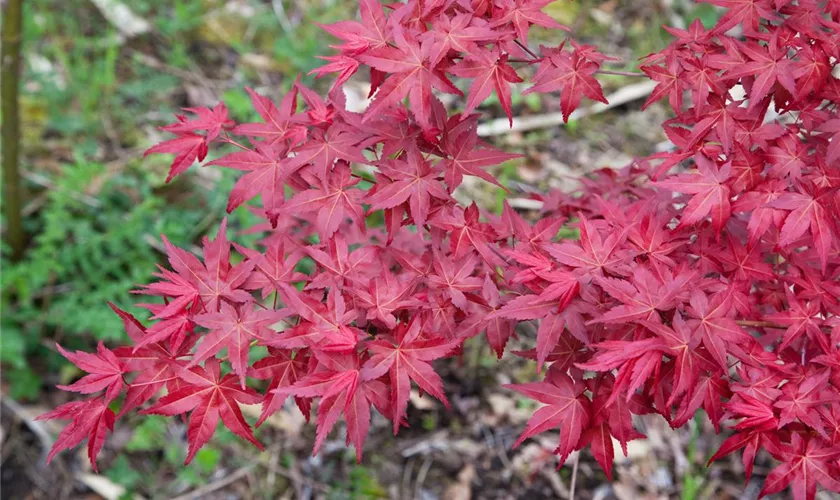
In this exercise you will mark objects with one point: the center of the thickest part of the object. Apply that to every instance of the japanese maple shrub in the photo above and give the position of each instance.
(704, 277)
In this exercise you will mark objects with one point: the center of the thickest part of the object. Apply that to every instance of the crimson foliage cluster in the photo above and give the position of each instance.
(704, 277)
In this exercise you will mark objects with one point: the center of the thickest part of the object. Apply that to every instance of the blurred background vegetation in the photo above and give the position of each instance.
(98, 77)
(91, 98)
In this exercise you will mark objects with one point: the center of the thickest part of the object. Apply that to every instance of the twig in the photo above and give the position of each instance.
(189, 76)
(526, 49)
(408, 468)
(620, 97)
(574, 477)
(216, 485)
(10, 128)
(620, 73)
(769, 324)
(282, 17)
(36, 427)
(759, 324)
(47, 183)
(104, 487)
(295, 477)
(421, 476)
(121, 17)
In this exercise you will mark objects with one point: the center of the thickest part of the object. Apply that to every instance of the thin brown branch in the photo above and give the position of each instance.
(765, 324)
(621, 73)
(216, 485)
(526, 49)
(759, 324)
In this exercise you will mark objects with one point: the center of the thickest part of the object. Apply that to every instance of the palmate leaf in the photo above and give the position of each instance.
(566, 408)
(210, 398)
(404, 361)
(703, 277)
(90, 419)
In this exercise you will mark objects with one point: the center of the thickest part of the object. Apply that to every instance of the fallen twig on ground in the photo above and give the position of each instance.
(621, 96)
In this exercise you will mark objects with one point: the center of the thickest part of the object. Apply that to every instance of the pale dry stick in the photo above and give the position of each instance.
(421, 476)
(49, 184)
(295, 477)
(37, 428)
(104, 487)
(121, 17)
(194, 77)
(405, 485)
(273, 462)
(216, 485)
(620, 97)
(282, 17)
(574, 477)
(555, 482)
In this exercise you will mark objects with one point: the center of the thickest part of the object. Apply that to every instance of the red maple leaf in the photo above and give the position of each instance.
(334, 201)
(490, 71)
(343, 389)
(810, 208)
(715, 323)
(458, 33)
(711, 193)
(321, 150)
(326, 326)
(566, 407)
(463, 157)
(643, 295)
(521, 14)
(413, 180)
(411, 74)
(155, 362)
(497, 330)
(212, 121)
(768, 64)
(341, 266)
(283, 368)
(105, 371)
(749, 13)
(801, 319)
(468, 234)
(234, 328)
(202, 285)
(277, 123)
(210, 397)
(91, 419)
(572, 75)
(383, 296)
(264, 177)
(372, 32)
(272, 267)
(806, 462)
(594, 254)
(187, 147)
(833, 150)
(406, 359)
(455, 277)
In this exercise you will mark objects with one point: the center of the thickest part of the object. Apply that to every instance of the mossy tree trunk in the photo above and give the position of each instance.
(10, 130)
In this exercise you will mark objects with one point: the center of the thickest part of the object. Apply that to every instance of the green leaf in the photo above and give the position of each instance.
(24, 383)
(123, 472)
(208, 458)
(149, 434)
(12, 346)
